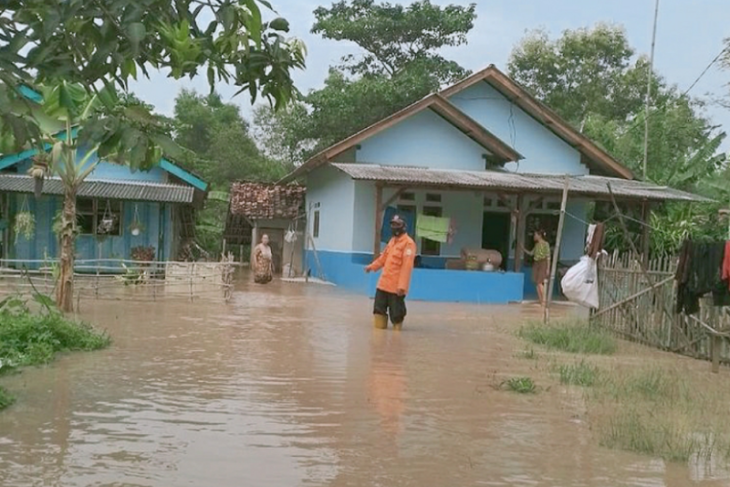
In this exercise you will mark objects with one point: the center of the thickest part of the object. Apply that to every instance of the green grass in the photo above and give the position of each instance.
(578, 374)
(520, 385)
(665, 412)
(5, 398)
(35, 338)
(571, 337)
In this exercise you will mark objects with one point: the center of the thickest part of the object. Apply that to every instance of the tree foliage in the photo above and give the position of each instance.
(399, 63)
(395, 36)
(593, 79)
(92, 41)
(218, 137)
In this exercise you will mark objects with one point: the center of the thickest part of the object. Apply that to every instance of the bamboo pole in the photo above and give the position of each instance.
(556, 251)
(378, 220)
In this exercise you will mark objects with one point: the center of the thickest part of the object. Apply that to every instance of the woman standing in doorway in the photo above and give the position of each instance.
(263, 262)
(541, 263)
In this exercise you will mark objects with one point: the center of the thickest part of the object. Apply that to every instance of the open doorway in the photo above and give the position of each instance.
(276, 242)
(496, 232)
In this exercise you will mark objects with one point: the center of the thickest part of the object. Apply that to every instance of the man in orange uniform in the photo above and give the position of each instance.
(397, 264)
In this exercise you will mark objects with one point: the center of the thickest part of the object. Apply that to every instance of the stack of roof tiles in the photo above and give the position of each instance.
(257, 201)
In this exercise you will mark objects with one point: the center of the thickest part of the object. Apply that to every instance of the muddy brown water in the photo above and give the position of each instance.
(288, 385)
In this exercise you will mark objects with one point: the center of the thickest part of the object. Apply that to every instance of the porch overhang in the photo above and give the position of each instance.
(115, 190)
(588, 186)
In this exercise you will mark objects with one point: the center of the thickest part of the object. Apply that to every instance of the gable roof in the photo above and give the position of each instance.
(440, 105)
(592, 155)
(258, 201)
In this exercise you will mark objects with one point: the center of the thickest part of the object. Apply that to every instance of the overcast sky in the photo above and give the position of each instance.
(689, 36)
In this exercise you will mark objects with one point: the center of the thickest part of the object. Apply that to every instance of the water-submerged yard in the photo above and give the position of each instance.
(288, 385)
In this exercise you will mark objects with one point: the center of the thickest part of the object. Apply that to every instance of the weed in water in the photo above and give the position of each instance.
(30, 338)
(520, 385)
(5, 398)
(572, 337)
(528, 354)
(578, 374)
(663, 412)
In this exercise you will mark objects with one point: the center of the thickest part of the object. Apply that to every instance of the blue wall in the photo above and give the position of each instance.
(543, 151)
(334, 191)
(44, 243)
(108, 171)
(424, 139)
(347, 271)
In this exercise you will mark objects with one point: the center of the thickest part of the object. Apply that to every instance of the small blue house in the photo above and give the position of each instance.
(117, 209)
(483, 154)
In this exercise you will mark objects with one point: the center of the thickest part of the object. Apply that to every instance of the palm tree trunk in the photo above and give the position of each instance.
(65, 289)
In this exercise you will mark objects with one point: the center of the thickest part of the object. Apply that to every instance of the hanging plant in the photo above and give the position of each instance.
(106, 224)
(136, 227)
(24, 222)
(24, 225)
(38, 171)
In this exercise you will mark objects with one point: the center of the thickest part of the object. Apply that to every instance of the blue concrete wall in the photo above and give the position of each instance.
(543, 151)
(44, 244)
(347, 271)
(424, 139)
(334, 191)
(109, 171)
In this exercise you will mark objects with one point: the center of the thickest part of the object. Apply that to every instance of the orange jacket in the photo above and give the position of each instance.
(397, 264)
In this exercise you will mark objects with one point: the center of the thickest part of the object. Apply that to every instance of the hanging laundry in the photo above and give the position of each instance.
(596, 235)
(408, 216)
(433, 228)
(726, 264)
(452, 230)
(699, 272)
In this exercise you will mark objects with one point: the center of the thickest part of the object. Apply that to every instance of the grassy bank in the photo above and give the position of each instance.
(666, 409)
(35, 336)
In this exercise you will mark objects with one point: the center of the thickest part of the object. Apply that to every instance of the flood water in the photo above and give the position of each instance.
(288, 385)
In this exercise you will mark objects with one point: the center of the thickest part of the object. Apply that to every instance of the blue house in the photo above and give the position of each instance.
(484, 154)
(118, 209)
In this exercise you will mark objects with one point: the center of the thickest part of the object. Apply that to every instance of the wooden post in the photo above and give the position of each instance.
(556, 251)
(520, 233)
(645, 240)
(715, 353)
(378, 219)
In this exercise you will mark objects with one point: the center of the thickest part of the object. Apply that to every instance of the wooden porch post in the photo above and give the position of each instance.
(378, 219)
(520, 231)
(556, 253)
(645, 240)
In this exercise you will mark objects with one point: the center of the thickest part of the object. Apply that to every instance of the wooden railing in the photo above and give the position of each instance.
(641, 305)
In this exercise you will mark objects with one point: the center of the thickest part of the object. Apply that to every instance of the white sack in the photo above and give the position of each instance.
(580, 283)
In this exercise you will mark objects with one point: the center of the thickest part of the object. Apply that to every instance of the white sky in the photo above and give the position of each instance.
(689, 36)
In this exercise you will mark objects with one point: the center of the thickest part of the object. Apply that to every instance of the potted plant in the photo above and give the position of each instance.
(141, 253)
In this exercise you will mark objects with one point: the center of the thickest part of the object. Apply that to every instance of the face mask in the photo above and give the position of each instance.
(397, 231)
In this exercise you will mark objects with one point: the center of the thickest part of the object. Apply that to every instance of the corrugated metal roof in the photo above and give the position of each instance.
(595, 186)
(118, 190)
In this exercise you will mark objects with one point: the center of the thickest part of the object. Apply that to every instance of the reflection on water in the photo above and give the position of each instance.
(288, 385)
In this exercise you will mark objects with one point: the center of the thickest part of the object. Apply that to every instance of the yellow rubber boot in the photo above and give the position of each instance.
(380, 322)
(398, 326)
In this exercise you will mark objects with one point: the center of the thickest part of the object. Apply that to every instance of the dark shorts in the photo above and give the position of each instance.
(389, 304)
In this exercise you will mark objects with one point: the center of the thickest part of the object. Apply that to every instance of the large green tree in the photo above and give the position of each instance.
(398, 63)
(593, 78)
(93, 41)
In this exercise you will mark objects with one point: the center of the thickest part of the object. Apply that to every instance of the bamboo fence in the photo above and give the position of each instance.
(119, 279)
(640, 305)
